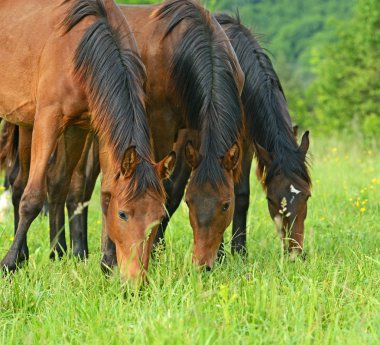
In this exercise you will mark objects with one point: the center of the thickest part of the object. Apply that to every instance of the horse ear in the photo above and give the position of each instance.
(129, 162)
(192, 155)
(263, 155)
(304, 146)
(231, 158)
(295, 131)
(166, 167)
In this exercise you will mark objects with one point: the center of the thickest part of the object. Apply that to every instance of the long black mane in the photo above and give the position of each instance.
(268, 120)
(203, 74)
(113, 79)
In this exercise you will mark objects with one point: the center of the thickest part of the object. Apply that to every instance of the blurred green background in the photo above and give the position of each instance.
(327, 53)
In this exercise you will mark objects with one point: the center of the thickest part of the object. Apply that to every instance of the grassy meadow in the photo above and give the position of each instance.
(331, 298)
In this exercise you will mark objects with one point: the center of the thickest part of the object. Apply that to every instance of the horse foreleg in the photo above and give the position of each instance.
(77, 200)
(175, 186)
(56, 169)
(60, 172)
(44, 138)
(239, 227)
(93, 171)
(108, 260)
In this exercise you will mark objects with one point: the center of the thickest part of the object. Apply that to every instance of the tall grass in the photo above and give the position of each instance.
(331, 298)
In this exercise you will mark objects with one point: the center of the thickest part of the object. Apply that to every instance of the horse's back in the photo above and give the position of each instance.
(25, 29)
(35, 57)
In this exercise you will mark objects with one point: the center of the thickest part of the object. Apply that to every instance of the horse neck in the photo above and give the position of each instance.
(118, 22)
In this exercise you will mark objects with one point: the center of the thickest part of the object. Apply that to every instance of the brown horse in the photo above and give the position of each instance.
(194, 81)
(84, 72)
(282, 167)
(282, 162)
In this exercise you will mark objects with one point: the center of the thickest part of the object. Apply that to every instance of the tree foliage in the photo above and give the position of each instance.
(346, 91)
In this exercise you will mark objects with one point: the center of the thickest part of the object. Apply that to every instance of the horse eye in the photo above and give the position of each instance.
(226, 206)
(123, 215)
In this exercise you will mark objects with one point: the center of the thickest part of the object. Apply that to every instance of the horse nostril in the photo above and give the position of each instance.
(208, 268)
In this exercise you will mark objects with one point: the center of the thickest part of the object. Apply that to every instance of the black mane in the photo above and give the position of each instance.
(268, 120)
(113, 78)
(203, 74)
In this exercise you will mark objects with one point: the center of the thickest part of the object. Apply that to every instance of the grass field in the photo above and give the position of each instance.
(331, 298)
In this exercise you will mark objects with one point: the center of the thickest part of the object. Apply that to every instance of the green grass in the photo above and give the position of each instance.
(331, 298)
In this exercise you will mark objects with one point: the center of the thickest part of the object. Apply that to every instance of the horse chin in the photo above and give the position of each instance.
(133, 267)
(207, 260)
(133, 274)
(206, 246)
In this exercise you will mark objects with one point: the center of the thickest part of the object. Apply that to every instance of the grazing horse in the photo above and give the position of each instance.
(282, 162)
(69, 65)
(194, 81)
(282, 166)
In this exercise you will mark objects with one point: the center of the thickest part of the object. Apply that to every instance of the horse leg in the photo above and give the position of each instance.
(239, 231)
(44, 138)
(108, 260)
(175, 186)
(20, 169)
(93, 171)
(56, 170)
(175, 189)
(75, 202)
(69, 151)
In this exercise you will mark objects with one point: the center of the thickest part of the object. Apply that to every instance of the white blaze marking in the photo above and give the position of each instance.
(294, 190)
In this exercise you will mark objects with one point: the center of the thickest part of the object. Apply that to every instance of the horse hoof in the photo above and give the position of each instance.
(221, 257)
(57, 254)
(8, 266)
(107, 265)
(80, 254)
(12, 262)
(240, 250)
